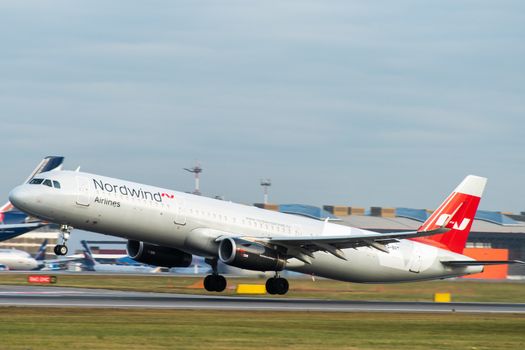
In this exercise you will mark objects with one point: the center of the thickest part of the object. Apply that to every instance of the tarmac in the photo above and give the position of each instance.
(36, 296)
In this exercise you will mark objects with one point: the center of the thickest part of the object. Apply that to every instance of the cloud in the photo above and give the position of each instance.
(341, 101)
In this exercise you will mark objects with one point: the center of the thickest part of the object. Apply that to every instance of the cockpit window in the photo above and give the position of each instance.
(46, 182)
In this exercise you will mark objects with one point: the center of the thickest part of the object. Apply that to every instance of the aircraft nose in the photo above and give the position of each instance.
(20, 197)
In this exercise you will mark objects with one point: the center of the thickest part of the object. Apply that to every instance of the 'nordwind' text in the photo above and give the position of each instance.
(127, 191)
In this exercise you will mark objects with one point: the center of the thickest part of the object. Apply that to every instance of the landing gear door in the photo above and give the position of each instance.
(83, 191)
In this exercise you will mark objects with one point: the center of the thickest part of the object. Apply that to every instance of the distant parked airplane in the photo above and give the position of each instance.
(15, 259)
(94, 265)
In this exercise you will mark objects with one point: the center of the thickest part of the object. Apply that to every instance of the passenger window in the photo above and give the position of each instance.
(56, 184)
(47, 182)
(36, 181)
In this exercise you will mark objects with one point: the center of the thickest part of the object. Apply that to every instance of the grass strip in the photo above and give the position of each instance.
(79, 328)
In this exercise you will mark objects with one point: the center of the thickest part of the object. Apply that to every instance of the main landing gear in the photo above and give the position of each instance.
(214, 282)
(277, 285)
(65, 232)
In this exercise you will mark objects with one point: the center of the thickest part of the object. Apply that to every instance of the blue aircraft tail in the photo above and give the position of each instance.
(47, 164)
(90, 262)
(41, 255)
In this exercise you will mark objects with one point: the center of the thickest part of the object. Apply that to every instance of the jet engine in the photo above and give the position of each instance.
(249, 255)
(157, 255)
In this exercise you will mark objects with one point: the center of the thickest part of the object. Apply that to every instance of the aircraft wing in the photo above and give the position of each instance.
(352, 239)
(299, 247)
(12, 230)
(16, 228)
(302, 247)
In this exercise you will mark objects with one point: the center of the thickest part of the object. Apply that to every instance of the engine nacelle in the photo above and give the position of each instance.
(157, 255)
(249, 255)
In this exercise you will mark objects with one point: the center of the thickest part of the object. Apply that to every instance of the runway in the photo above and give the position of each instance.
(30, 296)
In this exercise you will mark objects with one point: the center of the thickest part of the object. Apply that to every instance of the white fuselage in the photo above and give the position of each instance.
(112, 268)
(193, 223)
(17, 260)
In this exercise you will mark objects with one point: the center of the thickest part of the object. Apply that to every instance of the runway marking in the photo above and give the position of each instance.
(261, 308)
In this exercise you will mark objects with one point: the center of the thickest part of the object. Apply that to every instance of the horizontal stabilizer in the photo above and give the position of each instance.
(481, 262)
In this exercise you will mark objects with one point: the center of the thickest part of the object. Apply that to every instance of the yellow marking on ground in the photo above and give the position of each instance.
(442, 298)
(251, 289)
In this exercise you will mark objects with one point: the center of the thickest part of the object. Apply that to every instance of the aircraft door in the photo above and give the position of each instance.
(83, 191)
(180, 215)
(415, 260)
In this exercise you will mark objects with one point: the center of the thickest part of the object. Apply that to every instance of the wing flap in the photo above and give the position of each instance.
(302, 247)
(334, 244)
(365, 236)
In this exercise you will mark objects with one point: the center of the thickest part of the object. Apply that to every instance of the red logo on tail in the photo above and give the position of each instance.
(457, 214)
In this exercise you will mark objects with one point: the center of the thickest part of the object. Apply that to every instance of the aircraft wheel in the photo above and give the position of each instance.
(277, 285)
(282, 285)
(270, 286)
(63, 249)
(60, 249)
(215, 283)
(209, 283)
(220, 283)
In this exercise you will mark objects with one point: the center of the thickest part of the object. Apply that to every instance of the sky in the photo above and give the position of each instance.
(358, 103)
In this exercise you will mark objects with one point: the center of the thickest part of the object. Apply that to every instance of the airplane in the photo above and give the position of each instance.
(15, 259)
(13, 222)
(94, 265)
(165, 228)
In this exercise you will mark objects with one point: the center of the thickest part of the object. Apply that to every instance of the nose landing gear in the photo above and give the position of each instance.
(65, 232)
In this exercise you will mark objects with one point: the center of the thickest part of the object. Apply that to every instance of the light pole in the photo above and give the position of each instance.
(196, 170)
(265, 183)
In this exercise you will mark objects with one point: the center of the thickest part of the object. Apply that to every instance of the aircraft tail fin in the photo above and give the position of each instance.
(456, 214)
(41, 255)
(88, 255)
(47, 164)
